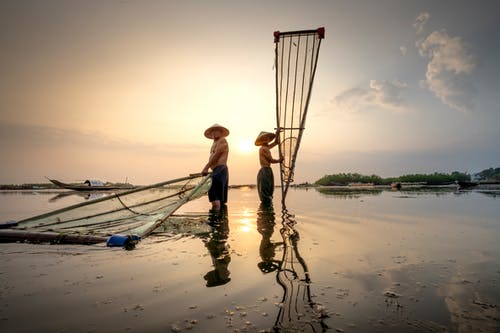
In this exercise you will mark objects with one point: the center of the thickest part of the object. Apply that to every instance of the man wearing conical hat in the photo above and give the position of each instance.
(265, 177)
(217, 194)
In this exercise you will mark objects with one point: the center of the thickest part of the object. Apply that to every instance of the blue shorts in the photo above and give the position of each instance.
(220, 182)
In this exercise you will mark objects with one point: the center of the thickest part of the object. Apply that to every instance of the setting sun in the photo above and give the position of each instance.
(245, 146)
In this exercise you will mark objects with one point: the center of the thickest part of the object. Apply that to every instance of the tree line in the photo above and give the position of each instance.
(437, 178)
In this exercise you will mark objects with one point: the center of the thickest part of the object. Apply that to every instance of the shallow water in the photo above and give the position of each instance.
(366, 261)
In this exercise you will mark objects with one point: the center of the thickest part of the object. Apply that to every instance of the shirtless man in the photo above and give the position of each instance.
(265, 177)
(217, 194)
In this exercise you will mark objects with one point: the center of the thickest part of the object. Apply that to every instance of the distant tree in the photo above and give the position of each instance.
(346, 178)
(492, 174)
(435, 178)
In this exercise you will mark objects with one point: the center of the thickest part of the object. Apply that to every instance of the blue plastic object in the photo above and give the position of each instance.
(122, 240)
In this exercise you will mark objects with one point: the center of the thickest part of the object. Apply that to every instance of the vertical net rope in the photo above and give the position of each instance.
(296, 58)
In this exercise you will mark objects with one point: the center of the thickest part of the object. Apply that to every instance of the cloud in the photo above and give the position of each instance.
(29, 152)
(381, 94)
(420, 21)
(19, 135)
(450, 64)
(403, 50)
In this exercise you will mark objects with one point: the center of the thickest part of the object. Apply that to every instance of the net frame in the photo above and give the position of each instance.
(138, 211)
(295, 71)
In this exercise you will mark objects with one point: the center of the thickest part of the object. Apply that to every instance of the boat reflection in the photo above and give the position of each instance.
(85, 195)
(297, 312)
(218, 248)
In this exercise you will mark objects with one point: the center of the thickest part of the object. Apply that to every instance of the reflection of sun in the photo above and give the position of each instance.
(245, 146)
(245, 225)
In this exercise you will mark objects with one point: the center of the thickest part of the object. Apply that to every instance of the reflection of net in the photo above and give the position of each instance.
(298, 313)
(134, 211)
(296, 60)
(287, 147)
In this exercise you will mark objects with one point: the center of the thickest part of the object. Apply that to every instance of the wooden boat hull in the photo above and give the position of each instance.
(464, 184)
(88, 187)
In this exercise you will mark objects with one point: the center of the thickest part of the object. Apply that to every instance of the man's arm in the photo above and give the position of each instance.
(269, 157)
(276, 139)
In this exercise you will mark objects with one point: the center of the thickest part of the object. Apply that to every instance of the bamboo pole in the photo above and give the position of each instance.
(12, 235)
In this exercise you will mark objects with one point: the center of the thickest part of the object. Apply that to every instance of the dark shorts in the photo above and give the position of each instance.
(220, 181)
(265, 184)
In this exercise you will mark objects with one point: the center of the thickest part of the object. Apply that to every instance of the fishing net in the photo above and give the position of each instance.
(288, 145)
(295, 63)
(138, 211)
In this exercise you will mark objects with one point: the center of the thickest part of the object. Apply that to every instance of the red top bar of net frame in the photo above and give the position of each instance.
(320, 31)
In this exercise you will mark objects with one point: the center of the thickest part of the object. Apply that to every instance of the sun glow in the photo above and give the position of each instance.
(245, 146)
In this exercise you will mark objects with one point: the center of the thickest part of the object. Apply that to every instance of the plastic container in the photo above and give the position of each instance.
(122, 240)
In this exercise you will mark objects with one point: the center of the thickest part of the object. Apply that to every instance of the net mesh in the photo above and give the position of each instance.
(296, 59)
(131, 212)
(287, 145)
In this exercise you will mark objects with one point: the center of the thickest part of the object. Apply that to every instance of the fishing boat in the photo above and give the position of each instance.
(467, 185)
(118, 219)
(396, 186)
(91, 185)
(407, 185)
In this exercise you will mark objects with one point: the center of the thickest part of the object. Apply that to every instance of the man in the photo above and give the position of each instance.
(217, 194)
(265, 177)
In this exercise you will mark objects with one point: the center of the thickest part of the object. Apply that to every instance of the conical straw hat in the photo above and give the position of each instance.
(264, 137)
(209, 131)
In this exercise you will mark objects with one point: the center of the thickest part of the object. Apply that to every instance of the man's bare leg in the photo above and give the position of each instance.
(216, 204)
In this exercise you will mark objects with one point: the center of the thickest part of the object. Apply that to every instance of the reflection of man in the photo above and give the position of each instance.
(267, 249)
(217, 194)
(218, 249)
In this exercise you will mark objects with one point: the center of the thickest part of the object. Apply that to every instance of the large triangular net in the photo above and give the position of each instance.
(295, 64)
(138, 211)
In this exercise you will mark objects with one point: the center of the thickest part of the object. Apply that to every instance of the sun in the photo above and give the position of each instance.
(245, 146)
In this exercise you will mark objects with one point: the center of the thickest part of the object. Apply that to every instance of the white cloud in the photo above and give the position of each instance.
(382, 94)
(420, 21)
(448, 69)
(403, 50)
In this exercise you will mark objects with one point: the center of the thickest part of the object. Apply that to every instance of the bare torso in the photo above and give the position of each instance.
(218, 153)
(265, 157)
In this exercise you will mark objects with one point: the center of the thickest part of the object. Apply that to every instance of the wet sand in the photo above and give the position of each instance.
(362, 262)
(69, 289)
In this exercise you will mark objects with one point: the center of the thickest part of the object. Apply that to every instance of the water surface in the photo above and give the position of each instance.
(366, 261)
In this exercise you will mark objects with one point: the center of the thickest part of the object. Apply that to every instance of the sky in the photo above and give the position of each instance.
(123, 90)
